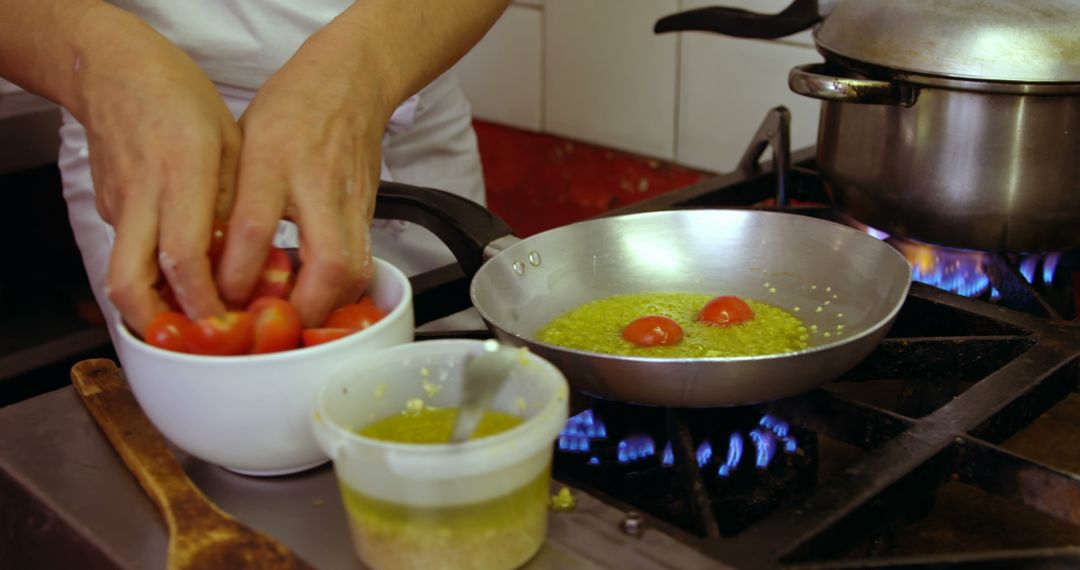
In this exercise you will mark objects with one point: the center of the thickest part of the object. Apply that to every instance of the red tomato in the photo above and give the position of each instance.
(311, 337)
(276, 325)
(726, 311)
(276, 278)
(228, 334)
(359, 315)
(653, 330)
(165, 331)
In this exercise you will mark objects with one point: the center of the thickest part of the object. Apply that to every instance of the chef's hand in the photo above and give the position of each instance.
(163, 152)
(312, 140)
(311, 155)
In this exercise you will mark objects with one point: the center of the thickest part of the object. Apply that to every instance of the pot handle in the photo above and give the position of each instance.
(736, 22)
(467, 228)
(813, 81)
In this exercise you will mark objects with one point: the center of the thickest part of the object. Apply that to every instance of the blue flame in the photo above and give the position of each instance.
(594, 460)
(636, 447)
(668, 458)
(782, 431)
(585, 424)
(574, 443)
(704, 453)
(734, 455)
(1027, 268)
(765, 444)
(1050, 267)
(966, 281)
(779, 427)
(579, 431)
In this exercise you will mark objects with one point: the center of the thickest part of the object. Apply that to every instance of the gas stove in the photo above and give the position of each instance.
(950, 445)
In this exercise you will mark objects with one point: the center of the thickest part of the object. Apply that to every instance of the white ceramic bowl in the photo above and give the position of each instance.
(477, 504)
(251, 414)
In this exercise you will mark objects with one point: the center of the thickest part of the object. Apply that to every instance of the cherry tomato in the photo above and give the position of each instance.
(228, 334)
(726, 311)
(359, 315)
(276, 325)
(653, 330)
(276, 277)
(311, 337)
(165, 331)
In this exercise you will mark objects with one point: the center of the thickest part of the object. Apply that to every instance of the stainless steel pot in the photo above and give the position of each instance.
(849, 285)
(948, 162)
(952, 122)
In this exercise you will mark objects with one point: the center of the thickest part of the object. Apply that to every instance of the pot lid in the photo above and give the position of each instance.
(985, 40)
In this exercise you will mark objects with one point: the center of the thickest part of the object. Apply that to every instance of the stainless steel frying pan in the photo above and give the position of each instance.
(847, 285)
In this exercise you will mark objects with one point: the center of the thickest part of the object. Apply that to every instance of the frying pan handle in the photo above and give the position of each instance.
(736, 22)
(466, 227)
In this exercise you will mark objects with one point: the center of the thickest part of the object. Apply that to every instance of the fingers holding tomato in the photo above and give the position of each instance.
(268, 323)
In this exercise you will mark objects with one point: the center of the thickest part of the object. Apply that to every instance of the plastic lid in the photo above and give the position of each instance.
(986, 40)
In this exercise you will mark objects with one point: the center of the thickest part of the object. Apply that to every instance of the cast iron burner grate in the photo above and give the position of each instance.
(930, 408)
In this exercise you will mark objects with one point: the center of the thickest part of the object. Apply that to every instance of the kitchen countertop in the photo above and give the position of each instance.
(69, 499)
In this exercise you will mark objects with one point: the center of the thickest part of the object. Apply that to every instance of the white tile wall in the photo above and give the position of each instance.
(727, 85)
(607, 78)
(593, 70)
(501, 76)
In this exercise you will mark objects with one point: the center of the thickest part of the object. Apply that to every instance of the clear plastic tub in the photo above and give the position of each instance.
(479, 504)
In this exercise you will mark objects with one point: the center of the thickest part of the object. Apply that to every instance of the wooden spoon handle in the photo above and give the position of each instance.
(102, 387)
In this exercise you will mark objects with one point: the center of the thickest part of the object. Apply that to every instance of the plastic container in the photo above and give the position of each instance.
(250, 414)
(479, 504)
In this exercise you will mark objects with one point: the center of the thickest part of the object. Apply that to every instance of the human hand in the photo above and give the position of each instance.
(311, 155)
(163, 152)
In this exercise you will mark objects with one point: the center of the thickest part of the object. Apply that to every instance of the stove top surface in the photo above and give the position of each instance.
(952, 444)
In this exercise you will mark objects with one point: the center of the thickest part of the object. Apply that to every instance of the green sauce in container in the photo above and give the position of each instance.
(500, 533)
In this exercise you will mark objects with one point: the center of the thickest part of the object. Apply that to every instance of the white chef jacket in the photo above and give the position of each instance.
(239, 43)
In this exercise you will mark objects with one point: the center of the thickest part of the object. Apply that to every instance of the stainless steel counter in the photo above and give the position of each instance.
(66, 499)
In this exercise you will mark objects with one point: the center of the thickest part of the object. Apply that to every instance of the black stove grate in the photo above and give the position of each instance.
(930, 408)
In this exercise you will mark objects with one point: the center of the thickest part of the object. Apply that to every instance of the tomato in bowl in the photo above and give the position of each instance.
(249, 412)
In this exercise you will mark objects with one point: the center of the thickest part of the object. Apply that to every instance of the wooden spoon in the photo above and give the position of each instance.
(200, 534)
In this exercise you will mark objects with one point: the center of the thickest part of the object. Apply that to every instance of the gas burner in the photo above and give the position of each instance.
(967, 272)
(653, 459)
